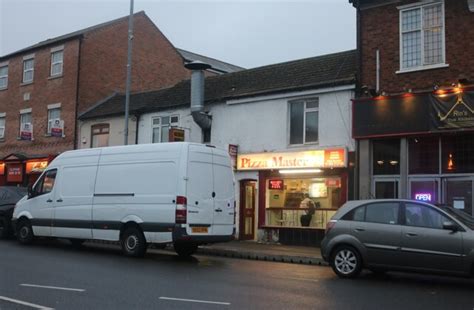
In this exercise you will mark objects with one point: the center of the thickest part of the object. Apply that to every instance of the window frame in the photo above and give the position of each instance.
(32, 59)
(306, 110)
(48, 125)
(160, 126)
(51, 74)
(100, 127)
(21, 120)
(421, 6)
(40, 183)
(4, 118)
(4, 77)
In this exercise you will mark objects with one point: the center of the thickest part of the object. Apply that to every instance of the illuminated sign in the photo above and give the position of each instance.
(36, 166)
(333, 182)
(275, 184)
(332, 158)
(176, 135)
(2, 168)
(14, 173)
(423, 197)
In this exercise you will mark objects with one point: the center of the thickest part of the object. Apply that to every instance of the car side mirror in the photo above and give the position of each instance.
(450, 226)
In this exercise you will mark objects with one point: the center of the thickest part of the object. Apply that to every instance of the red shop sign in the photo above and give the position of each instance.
(15, 173)
(275, 184)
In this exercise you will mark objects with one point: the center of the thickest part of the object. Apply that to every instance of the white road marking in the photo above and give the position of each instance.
(54, 287)
(24, 303)
(198, 301)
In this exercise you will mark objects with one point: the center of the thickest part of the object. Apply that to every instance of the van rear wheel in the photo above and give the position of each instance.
(133, 242)
(24, 232)
(185, 249)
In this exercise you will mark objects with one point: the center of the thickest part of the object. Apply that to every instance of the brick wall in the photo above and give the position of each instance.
(380, 29)
(43, 91)
(155, 62)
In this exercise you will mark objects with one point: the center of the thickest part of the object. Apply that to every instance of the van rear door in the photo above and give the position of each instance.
(223, 221)
(200, 203)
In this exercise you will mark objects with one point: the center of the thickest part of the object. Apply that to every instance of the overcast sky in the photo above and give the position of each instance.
(247, 33)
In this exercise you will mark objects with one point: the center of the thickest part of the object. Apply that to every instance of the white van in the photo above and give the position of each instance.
(150, 193)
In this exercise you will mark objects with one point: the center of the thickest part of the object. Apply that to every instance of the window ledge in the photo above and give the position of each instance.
(5, 88)
(295, 146)
(20, 139)
(2, 140)
(423, 68)
(26, 83)
(48, 135)
(55, 77)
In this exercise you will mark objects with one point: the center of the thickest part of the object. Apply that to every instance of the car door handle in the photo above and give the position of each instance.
(410, 234)
(59, 200)
(359, 229)
(49, 200)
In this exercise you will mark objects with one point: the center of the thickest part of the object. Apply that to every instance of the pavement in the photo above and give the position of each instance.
(265, 252)
(51, 274)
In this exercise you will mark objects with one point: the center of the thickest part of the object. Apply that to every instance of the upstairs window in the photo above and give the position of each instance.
(2, 126)
(28, 70)
(57, 63)
(304, 120)
(53, 115)
(3, 77)
(422, 36)
(161, 127)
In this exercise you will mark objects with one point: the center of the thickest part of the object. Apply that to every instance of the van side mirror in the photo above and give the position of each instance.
(450, 226)
(30, 191)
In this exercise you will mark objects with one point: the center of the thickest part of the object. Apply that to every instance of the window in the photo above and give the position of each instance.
(53, 114)
(458, 153)
(423, 155)
(304, 120)
(424, 216)
(386, 157)
(46, 183)
(357, 214)
(422, 36)
(2, 127)
(386, 189)
(56, 63)
(3, 77)
(28, 70)
(25, 118)
(161, 127)
(384, 213)
(100, 135)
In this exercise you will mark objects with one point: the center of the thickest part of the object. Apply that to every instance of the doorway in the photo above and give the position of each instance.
(458, 193)
(247, 210)
(385, 188)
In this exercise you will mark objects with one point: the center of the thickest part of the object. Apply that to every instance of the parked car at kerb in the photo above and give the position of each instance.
(9, 196)
(402, 235)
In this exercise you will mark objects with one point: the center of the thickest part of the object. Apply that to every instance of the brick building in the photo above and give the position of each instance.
(43, 87)
(414, 117)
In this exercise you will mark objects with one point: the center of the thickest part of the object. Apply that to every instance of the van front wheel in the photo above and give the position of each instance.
(24, 232)
(185, 249)
(133, 242)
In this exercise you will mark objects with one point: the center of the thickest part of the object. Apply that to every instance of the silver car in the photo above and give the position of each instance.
(402, 235)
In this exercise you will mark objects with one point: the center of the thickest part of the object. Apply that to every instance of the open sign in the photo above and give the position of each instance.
(423, 197)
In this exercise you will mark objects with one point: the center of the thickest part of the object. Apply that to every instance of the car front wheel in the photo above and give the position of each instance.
(346, 262)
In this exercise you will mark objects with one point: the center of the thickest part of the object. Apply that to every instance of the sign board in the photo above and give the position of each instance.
(15, 173)
(233, 152)
(276, 184)
(423, 197)
(333, 182)
(57, 127)
(26, 131)
(331, 158)
(36, 166)
(176, 135)
(2, 168)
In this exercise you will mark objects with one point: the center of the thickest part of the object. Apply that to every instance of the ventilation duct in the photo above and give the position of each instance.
(197, 94)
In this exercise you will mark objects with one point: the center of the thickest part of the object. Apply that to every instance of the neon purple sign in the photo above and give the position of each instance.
(423, 196)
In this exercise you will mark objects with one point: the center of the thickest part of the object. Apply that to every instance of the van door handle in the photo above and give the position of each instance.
(411, 234)
(218, 210)
(59, 200)
(359, 229)
(213, 194)
(49, 200)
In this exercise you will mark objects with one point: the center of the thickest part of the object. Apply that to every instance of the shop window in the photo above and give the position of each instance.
(386, 157)
(100, 135)
(423, 155)
(304, 121)
(458, 153)
(308, 202)
(161, 127)
(386, 189)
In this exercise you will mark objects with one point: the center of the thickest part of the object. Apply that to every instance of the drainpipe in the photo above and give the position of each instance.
(197, 94)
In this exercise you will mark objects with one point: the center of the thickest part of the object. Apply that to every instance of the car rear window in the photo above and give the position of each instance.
(357, 214)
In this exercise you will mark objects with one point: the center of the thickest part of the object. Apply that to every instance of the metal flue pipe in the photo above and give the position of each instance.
(197, 94)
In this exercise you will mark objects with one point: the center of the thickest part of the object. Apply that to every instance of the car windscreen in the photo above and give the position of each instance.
(461, 216)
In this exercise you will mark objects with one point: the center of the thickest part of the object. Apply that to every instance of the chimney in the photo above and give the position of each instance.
(197, 94)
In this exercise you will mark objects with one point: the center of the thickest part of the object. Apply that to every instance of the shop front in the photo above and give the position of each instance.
(21, 170)
(421, 148)
(294, 195)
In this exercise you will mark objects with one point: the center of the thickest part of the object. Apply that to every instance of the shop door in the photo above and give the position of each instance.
(385, 188)
(247, 210)
(425, 189)
(458, 193)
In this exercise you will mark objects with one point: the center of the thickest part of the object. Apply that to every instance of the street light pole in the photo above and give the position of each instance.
(129, 71)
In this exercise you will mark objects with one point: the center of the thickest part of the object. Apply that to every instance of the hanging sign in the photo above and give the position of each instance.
(276, 184)
(57, 127)
(26, 131)
(330, 158)
(14, 173)
(453, 110)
